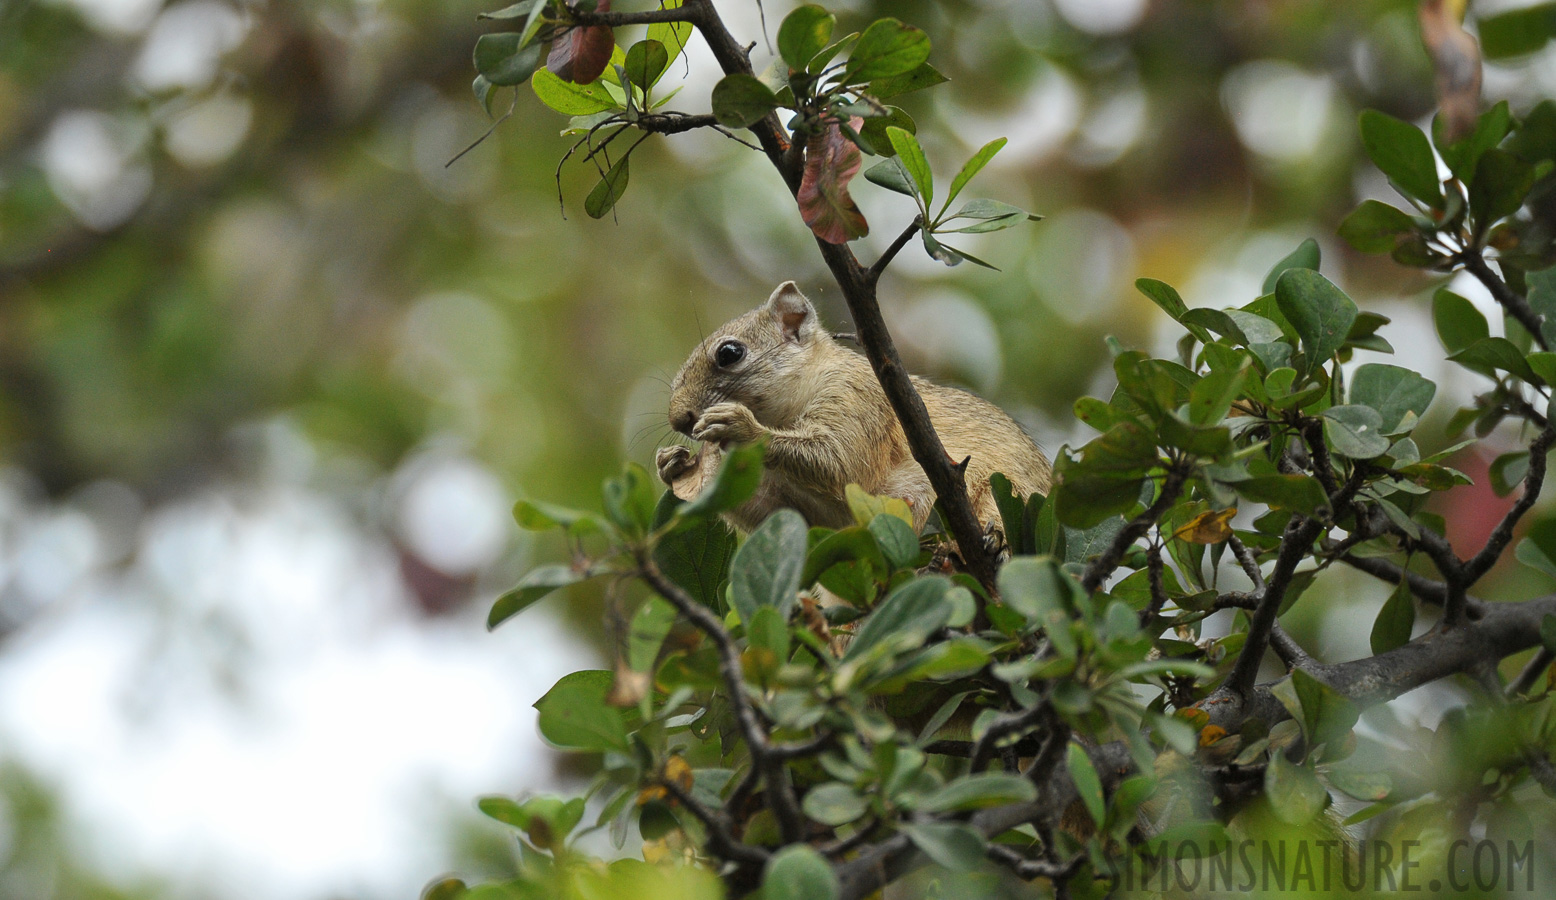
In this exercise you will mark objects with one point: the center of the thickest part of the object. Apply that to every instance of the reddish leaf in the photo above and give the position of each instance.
(579, 55)
(831, 161)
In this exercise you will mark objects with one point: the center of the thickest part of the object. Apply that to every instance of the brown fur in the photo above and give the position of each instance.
(827, 423)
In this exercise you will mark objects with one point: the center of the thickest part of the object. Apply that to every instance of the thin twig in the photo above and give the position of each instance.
(721, 839)
(1482, 562)
(1531, 672)
(1101, 567)
(1515, 303)
(1034, 868)
(874, 273)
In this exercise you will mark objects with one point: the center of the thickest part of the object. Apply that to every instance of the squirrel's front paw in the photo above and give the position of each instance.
(673, 462)
(727, 423)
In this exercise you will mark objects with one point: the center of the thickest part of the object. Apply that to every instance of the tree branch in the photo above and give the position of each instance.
(786, 808)
(1516, 304)
(1536, 667)
(1482, 562)
(1101, 567)
(645, 17)
(859, 292)
(875, 271)
(721, 840)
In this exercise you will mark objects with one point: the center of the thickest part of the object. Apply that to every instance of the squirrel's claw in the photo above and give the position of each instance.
(673, 462)
(727, 423)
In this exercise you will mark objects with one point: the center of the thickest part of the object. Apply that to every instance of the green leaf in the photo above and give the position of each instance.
(695, 554)
(1393, 391)
(911, 156)
(954, 846)
(1306, 256)
(671, 35)
(1320, 312)
(798, 872)
(1463, 156)
(1087, 784)
(1402, 152)
(846, 545)
(1548, 633)
(650, 624)
(571, 99)
(835, 803)
(603, 198)
(896, 539)
(1502, 181)
(872, 135)
(646, 62)
(1459, 323)
(1295, 794)
(1166, 296)
(1106, 480)
(505, 810)
(1038, 589)
(1361, 783)
(522, 8)
(1488, 355)
(973, 167)
(989, 215)
(1376, 227)
(887, 48)
(575, 716)
(905, 619)
(1517, 32)
(502, 60)
(1355, 431)
(768, 631)
(534, 515)
(445, 889)
(979, 792)
(740, 471)
(1327, 715)
(1211, 397)
(1395, 621)
(537, 584)
(766, 569)
(1298, 493)
(1538, 549)
(803, 34)
(1507, 471)
(889, 174)
(924, 76)
(742, 100)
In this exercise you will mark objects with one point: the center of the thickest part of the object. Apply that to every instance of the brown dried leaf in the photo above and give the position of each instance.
(579, 55)
(831, 161)
(1456, 59)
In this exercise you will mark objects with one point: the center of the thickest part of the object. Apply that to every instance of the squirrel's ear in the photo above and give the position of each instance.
(792, 311)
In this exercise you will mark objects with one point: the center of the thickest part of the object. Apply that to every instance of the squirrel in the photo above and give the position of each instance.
(776, 374)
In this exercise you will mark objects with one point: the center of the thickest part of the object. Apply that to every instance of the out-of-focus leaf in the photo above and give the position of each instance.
(602, 199)
(1295, 794)
(537, 584)
(955, 846)
(1517, 31)
(835, 804)
(798, 872)
(1395, 620)
(1376, 227)
(1488, 355)
(502, 62)
(1298, 493)
(895, 538)
(574, 714)
(1502, 181)
(831, 161)
(580, 54)
(803, 34)
(671, 35)
(1087, 784)
(741, 100)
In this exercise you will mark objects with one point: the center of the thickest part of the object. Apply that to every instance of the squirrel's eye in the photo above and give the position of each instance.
(729, 353)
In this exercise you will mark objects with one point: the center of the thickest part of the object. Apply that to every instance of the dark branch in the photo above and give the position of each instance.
(646, 17)
(675, 123)
(1482, 562)
(721, 839)
(1536, 667)
(1425, 589)
(1515, 303)
(1101, 567)
(1294, 547)
(875, 272)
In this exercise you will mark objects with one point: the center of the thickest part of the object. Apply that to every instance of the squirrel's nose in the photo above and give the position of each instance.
(683, 421)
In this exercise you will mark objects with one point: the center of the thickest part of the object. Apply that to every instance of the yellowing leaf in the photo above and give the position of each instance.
(1211, 734)
(1210, 527)
(866, 506)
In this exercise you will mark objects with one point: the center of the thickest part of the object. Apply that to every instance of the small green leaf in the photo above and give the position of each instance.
(886, 48)
(766, 569)
(1298, 493)
(911, 155)
(973, 167)
(1320, 312)
(445, 889)
(603, 198)
(1376, 227)
(1518, 31)
(1459, 323)
(798, 872)
(979, 792)
(1038, 589)
(1502, 181)
(988, 215)
(1327, 715)
(1355, 431)
(803, 34)
(1402, 152)
(1306, 256)
(1295, 794)
(650, 624)
(671, 35)
(1361, 783)
(522, 8)
(740, 471)
(1393, 391)
(889, 174)
(955, 846)
(1087, 784)
(905, 619)
(537, 584)
(742, 100)
(571, 99)
(835, 803)
(1538, 549)
(924, 76)
(695, 554)
(1488, 355)
(1395, 621)
(503, 61)
(896, 539)
(646, 62)
(575, 716)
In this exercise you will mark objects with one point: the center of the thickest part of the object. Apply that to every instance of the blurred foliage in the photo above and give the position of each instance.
(213, 214)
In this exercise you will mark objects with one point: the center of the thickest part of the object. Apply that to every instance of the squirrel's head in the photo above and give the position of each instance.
(759, 359)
